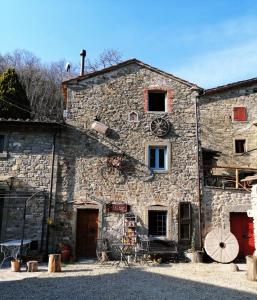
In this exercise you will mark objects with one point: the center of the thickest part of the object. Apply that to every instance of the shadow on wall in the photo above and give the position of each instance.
(36, 214)
(124, 284)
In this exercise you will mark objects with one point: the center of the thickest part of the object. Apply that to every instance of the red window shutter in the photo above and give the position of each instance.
(169, 100)
(239, 113)
(145, 100)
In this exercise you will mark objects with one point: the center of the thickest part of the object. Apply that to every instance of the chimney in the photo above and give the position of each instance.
(82, 65)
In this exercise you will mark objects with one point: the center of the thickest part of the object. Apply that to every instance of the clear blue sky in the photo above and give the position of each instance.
(207, 42)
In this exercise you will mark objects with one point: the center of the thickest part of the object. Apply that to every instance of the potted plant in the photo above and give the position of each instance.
(65, 250)
(192, 254)
(15, 265)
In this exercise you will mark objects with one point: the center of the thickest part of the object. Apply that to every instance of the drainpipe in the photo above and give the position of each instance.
(196, 93)
(51, 189)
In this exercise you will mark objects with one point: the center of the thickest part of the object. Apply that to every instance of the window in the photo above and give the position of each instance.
(158, 157)
(157, 101)
(240, 146)
(185, 222)
(157, 223)
(2, 143)
(239, 114)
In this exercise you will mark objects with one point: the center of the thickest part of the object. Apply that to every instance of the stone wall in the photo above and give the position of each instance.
(28, 162)
(83, 152)
(219, 203)
(218, 129)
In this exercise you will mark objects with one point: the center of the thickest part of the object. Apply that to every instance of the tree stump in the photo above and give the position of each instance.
(54, 263)
(251, 262)
(32, 266)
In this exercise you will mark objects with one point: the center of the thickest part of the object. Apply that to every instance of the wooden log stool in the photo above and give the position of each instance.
(251, 262)
(32, 266)
(54, 263)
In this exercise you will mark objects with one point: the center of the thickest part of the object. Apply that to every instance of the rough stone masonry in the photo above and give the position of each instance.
(112, 96)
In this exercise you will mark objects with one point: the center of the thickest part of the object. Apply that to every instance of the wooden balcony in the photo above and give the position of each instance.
(228, 177)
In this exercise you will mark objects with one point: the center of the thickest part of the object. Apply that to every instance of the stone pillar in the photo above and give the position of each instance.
(253, 214)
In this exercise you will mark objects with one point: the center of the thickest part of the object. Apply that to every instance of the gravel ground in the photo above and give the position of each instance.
(166, 281)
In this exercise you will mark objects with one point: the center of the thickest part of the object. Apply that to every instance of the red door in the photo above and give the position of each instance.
(87, 228)
(242, 227)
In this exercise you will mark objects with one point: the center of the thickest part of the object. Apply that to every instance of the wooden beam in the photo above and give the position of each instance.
(233, 168)
(237, 178)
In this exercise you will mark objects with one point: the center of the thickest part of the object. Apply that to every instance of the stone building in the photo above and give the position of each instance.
(228, 138)
(26, 164)
(129, 142)
(157, 171)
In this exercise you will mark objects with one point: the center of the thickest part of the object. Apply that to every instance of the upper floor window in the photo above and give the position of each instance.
(240, 146)
(239, 113)
(158, 100)
(158, 157)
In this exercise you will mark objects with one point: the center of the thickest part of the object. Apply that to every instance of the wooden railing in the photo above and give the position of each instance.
(235, 179)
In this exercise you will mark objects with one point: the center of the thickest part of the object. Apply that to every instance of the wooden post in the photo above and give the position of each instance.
(54, 263)
(251, 262)
(237, 178)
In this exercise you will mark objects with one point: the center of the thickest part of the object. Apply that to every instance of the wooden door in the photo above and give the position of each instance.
(87, 231)
(242, 227)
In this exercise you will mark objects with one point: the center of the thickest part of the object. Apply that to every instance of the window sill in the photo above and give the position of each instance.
(160, 171)
(237, 121)
(157, 112)
(158, 238)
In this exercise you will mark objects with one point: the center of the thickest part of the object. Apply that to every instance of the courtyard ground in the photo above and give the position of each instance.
(88, 280)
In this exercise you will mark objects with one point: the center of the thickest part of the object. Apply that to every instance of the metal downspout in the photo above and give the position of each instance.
(198, 181)
(51, 190)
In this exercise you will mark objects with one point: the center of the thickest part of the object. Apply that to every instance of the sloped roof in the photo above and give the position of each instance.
(226, 87)
(129, 62)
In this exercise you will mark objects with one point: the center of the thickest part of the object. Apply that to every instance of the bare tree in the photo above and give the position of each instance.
(106, 59)
(42, 82)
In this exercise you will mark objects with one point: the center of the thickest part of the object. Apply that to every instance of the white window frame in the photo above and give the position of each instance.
(157, 160)
(167, 154)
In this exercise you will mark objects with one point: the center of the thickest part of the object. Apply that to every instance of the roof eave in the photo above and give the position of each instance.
(128, 62)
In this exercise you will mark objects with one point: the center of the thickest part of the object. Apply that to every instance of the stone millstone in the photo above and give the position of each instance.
(221, 245)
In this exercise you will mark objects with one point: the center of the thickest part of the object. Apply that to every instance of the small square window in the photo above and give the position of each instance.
(239, 114)
(240, 146)
(158, 157)
(156, 101)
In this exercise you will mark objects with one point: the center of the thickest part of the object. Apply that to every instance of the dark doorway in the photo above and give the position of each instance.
(87, 232)
(157, 223)
(242, 227)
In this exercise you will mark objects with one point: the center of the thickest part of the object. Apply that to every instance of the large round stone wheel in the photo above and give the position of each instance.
(221, 245)
(160, 127)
